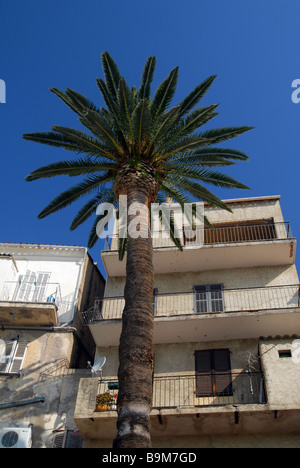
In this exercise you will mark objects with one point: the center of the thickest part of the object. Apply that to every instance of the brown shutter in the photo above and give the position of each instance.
(213, 373)
(203, 363)
(222, 371)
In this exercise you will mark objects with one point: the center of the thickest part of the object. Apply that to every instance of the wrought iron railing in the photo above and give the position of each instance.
(223, 234)
(210, 389)
(211, 301)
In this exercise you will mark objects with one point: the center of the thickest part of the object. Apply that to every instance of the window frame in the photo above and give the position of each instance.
(12, 357)
(208, 300)
(208, 382)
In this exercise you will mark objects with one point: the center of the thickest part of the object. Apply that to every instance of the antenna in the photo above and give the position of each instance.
(98, 366)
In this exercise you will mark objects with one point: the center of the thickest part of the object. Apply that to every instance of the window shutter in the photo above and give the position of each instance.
(213, 373)
(40, 288)
(66, 439)
(204, 385)
(58, 440)
(209, 298)
(7, 359)
(25, 287)
(73, 440)
(18, 358)
(200, 299)
(216, 298)
(222, 369)
(14, 357)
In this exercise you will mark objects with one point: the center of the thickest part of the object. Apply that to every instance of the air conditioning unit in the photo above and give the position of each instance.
(15, 437)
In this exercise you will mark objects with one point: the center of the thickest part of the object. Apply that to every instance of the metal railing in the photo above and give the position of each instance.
(239, 233)
(32, 292)
(207, 302)
(181, 391)
(223, 234)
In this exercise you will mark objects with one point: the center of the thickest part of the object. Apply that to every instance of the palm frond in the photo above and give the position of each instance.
(105, 196)
(74, 193)
(141, 120)
(164, 94)
(147, 78)
(111, 73)
(198, 191)
(196, 95)
(218, 135)
(71, 168)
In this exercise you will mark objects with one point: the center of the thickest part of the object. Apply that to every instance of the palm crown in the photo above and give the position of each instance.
(135, 132)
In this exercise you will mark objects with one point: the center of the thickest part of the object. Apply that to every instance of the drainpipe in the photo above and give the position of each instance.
(22, 402)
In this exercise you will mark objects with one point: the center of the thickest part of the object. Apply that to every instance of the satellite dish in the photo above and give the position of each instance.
(98, 366)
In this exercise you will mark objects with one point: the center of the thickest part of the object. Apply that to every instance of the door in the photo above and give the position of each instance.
(213, 373)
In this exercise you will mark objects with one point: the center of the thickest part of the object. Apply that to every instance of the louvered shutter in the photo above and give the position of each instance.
(209, 298)
(25, 287)
(216, 298)
(18, 357)
(7, 358)
(222, 371)
(73, 440)
(213, 373)
(40, 287)
(58, 440)
(200, 293)
(204, 383)
(67, 439)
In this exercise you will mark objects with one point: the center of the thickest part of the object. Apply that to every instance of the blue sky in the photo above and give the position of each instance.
(253, 47)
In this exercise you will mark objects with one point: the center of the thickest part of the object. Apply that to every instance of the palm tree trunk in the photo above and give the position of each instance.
(136, 343)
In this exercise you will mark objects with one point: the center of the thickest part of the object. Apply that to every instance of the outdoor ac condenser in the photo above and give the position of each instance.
(15, 437)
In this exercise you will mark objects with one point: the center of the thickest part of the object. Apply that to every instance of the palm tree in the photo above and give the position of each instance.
(140, 147)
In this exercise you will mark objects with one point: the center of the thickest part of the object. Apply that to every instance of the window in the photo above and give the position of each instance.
(13, 357)
(287, 353)
(209, 298)
(213, 373)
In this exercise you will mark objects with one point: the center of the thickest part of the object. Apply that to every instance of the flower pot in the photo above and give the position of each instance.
(101, 407)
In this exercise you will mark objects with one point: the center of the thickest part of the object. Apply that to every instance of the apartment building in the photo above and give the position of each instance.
(44, 349)
(227, 325)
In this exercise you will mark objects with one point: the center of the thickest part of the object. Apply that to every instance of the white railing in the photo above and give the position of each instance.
(20, 291)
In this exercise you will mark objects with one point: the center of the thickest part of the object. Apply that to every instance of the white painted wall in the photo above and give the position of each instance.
(63, 264)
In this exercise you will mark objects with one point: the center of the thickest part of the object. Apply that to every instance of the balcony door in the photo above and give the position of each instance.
(213, 373)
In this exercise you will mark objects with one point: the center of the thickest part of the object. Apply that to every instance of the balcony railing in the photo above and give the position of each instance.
(210, 301)
(17, 291)
(182, 391)
(222, 234)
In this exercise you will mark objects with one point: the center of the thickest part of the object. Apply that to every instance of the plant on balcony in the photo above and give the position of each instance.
(139, 147)
(105, 400)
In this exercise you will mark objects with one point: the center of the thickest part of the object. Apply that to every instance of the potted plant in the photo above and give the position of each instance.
(104, 401)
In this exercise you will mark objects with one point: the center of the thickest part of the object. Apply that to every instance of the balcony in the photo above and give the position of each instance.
(243, 244)
(176, 397)
(29, 304)
(205, 315)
